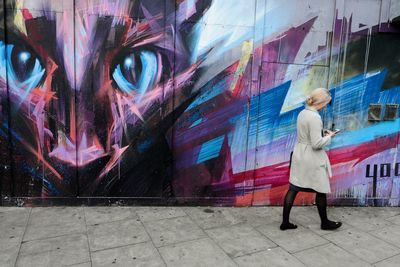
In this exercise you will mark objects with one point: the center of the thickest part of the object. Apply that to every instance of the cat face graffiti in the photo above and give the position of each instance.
(92, 91)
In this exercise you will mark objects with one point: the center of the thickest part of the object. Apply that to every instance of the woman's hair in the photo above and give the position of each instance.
(318, 96)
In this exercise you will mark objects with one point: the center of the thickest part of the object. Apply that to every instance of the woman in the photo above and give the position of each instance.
(310, 169)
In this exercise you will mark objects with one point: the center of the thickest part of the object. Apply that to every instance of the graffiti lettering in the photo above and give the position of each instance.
(371, 171)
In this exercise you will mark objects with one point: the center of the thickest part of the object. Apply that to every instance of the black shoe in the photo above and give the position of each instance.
(330, 225)
(286, 226)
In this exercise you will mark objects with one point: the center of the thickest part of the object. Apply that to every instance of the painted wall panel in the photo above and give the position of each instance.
(194, 100)
(6, 183)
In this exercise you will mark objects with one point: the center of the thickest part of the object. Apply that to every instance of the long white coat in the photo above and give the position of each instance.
(310, 166)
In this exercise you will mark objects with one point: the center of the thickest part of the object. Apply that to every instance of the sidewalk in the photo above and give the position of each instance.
(196, 236)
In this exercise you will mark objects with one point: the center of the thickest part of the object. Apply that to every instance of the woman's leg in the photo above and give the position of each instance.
(321, 202)
(287, 206)
(326, 224)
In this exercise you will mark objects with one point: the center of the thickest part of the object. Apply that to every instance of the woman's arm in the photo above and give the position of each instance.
(315, 128)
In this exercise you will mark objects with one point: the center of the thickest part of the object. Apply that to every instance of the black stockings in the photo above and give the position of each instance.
(287, 206)
(321, 202)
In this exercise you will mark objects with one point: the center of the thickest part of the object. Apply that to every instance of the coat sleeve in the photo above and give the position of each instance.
(315, 128)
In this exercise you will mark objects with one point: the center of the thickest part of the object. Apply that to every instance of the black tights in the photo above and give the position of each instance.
(320, 199)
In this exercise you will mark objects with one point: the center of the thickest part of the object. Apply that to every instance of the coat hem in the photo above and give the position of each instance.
(311, 187)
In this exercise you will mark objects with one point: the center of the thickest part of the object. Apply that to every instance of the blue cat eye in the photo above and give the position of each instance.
(23, 68)
(137, 71)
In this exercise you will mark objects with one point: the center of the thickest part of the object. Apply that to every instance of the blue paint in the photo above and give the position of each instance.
(13, 133)
(122, 83)
(149, 71)
(212, 91)
(351, 97)
(2, 133)
(230, 136)
(32, 78)
(146, 76)
(144, 146)
(210, 149)
(196, 123)
(390, 96)
(234, 119)
(366, 134)
(194, 38)
(264, 110)
(355, 94)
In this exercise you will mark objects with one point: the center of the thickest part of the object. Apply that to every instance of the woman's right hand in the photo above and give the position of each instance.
(329, 133)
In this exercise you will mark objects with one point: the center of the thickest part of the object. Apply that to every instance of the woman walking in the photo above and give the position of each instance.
(310, 168)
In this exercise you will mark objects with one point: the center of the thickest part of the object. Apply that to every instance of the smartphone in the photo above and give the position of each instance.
(336, 131)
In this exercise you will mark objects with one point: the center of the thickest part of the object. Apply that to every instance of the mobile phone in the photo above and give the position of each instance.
(336, 131)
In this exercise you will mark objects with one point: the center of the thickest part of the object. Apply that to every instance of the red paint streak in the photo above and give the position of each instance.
(72, 132)
(106, 88)
(39, 156)
(277, 175)
(51, 68)
(109, 134)
(26, 14)
(141, 27)
(363, 151)
(238, 86)
(96, 142)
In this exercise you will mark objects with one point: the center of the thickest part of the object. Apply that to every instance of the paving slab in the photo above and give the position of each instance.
(202, 252)
(46, 231)
(196, 236)
(274, 257)
(329, 255)
(58, 251)
(238, 240)
(390, 234)
(13, 222)
(173, 230)
(7, 209)
(9, 251)
(115, 234)
(256, 216)
(292, 240)
(394, 219)
(316, 228)
(41, 216)
(158, 213)
(207, 217)
(98, 215)
(143, 254)
(46, 222)
(363, 245)
(390, 262)
(308, 217)
(61, 243)
(382, 212)
(365, 219)
(83, 264)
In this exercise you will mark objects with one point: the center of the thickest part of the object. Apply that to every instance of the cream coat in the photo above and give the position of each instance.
(310, 164)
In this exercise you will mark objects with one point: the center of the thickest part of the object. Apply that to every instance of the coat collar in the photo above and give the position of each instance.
(312, 109)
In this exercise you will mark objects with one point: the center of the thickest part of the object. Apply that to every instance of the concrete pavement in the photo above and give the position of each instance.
(196, 236)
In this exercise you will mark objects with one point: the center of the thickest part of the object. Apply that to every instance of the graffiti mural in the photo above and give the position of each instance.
(195, 100)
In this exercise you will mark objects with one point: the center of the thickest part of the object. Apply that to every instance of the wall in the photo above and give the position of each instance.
(193, 101)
